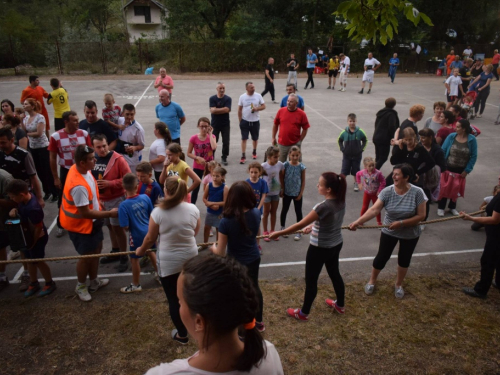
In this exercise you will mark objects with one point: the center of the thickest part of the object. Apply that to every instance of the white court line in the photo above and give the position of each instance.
(371, 258)
(284, 264)
(330, 121)
(19, 273)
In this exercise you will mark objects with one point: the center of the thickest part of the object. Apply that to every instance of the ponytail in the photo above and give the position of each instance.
(176, 148)
(164, 132)
(177, 191)
(271, 150)
(220, 290)
(37, 107)
(337, 183)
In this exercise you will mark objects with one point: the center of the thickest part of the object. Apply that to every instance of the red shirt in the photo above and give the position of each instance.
(496, 59)
(167, 81)
(291, 124)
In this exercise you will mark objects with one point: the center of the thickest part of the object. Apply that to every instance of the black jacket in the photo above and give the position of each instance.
(420, 160)
(386, 124)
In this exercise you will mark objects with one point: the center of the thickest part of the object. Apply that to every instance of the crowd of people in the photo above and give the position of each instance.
(95, 170)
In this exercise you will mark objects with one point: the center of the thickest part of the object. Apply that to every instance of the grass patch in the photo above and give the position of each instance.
(435, 329)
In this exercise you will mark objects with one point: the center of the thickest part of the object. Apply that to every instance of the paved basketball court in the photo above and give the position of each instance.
(440, 246)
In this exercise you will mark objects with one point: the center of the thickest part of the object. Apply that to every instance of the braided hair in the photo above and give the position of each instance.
(220, 290)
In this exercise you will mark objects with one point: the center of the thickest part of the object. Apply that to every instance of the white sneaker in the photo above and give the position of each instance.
(285, 235)
(131, 289)
(422, 227)
(356, 187)
(440, 212)
(97, 283)
(83, 293)
(399, 292)
(341, 88)
(455, 212)
(14, 255)
(211, 233)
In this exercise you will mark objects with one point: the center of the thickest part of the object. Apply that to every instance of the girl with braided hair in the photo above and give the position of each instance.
(217, 298)
(238, 231)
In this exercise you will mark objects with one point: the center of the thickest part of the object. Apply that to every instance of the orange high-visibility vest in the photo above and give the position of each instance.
(69, 216)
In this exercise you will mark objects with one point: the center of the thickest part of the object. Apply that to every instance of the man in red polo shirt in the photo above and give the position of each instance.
(37, 92)
(292, 124)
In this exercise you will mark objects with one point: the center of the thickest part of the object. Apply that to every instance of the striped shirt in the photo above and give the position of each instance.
(401, 207)
(65, 145)
(326, 231)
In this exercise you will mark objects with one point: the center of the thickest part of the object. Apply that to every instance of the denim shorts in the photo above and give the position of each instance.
(272, 198)
(88, 243)
(212, 220)
(351, 166)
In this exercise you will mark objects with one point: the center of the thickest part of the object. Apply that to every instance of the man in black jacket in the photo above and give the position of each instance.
(386, 123)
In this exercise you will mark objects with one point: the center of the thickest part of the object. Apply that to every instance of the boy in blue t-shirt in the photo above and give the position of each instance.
(133, 214)
(35, 232)
(147, 185)
(259, 187)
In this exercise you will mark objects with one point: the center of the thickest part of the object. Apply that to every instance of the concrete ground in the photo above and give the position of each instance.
(441, 245)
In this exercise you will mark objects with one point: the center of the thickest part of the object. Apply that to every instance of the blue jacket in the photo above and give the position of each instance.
(471, 142)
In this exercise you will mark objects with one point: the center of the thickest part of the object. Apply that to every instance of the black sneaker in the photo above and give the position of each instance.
(106, 260)
(54, 199)
(123, 266)
(224, 160)
(180, 340)
(46, 196)
(368, 91)
(471, 292)
(360, 92)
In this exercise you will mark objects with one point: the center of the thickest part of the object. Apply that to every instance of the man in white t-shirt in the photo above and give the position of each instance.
(131, 138)
(249, 106)
(371, 65)
(345, 63)
(467, 52)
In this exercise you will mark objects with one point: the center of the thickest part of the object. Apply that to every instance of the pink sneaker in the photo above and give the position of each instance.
(277, 238)
(295, 313)
(266, 238)
(333, 304)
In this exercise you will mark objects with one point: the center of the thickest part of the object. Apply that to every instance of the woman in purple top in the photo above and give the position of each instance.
(201, 149)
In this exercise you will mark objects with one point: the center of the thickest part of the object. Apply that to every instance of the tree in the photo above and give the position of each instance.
(372, 19)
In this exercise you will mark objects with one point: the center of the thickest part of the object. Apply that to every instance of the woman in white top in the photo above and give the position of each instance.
(157, 150)
(217, 297)
(177, 223)
(34, 126)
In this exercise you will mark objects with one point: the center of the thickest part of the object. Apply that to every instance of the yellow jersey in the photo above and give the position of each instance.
(333, 64)
(59, 99)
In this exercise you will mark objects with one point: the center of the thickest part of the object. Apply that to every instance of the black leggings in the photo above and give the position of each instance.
(287, 200)
(490, 260)
(169, 284)
(315, 259)
(42, 165)
(194, 193)
(495, 71)
(386, 247)
(442, 204)
(310, 72)
(382, 151)
(481, 99)
(253, 273)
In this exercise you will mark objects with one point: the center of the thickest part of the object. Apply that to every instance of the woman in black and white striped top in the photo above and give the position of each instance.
(404, 206)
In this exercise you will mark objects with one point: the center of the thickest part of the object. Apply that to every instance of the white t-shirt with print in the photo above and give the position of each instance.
(36, 142)
(370, 64)
(246, 101)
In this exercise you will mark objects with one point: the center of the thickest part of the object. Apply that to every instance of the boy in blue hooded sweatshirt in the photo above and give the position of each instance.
(352, 143)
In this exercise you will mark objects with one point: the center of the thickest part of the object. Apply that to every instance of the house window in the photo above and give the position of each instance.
(143, 11)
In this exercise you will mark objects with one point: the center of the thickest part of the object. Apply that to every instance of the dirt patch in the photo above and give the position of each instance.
(435, 329)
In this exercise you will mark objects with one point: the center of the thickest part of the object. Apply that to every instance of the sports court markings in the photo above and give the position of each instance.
(20, 272)
(330, 121)
(284, 264)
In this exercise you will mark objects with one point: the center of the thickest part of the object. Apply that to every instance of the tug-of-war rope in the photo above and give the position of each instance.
(206, 244)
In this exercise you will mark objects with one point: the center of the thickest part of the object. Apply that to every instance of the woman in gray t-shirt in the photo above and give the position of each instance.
(405, 208)
(324, 223)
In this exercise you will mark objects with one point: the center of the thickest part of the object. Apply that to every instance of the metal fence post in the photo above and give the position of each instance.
(59, 60)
